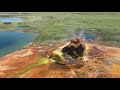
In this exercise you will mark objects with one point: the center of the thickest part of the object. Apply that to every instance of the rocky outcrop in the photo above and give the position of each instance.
(76, 52)
(37, 62)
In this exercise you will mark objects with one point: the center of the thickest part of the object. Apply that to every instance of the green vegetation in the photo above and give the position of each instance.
(61, 25)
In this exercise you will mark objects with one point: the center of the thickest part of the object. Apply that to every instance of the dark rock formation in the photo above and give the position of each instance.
(75, 49)
(73, 52)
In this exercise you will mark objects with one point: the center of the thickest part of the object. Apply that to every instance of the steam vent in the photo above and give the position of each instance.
(76, 52)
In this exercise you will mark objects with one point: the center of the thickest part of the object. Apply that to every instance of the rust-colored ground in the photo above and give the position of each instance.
(19, 60)
(16, 61)
(109, 67)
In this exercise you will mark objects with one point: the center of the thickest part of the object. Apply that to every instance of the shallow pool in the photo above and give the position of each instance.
(11, 20)
(88, 36)
(12, 41)
(21, 27)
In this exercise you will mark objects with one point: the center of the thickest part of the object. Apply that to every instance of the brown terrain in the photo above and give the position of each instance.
(24, 64)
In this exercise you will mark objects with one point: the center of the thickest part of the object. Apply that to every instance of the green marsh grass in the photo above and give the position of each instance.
(57, 25)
